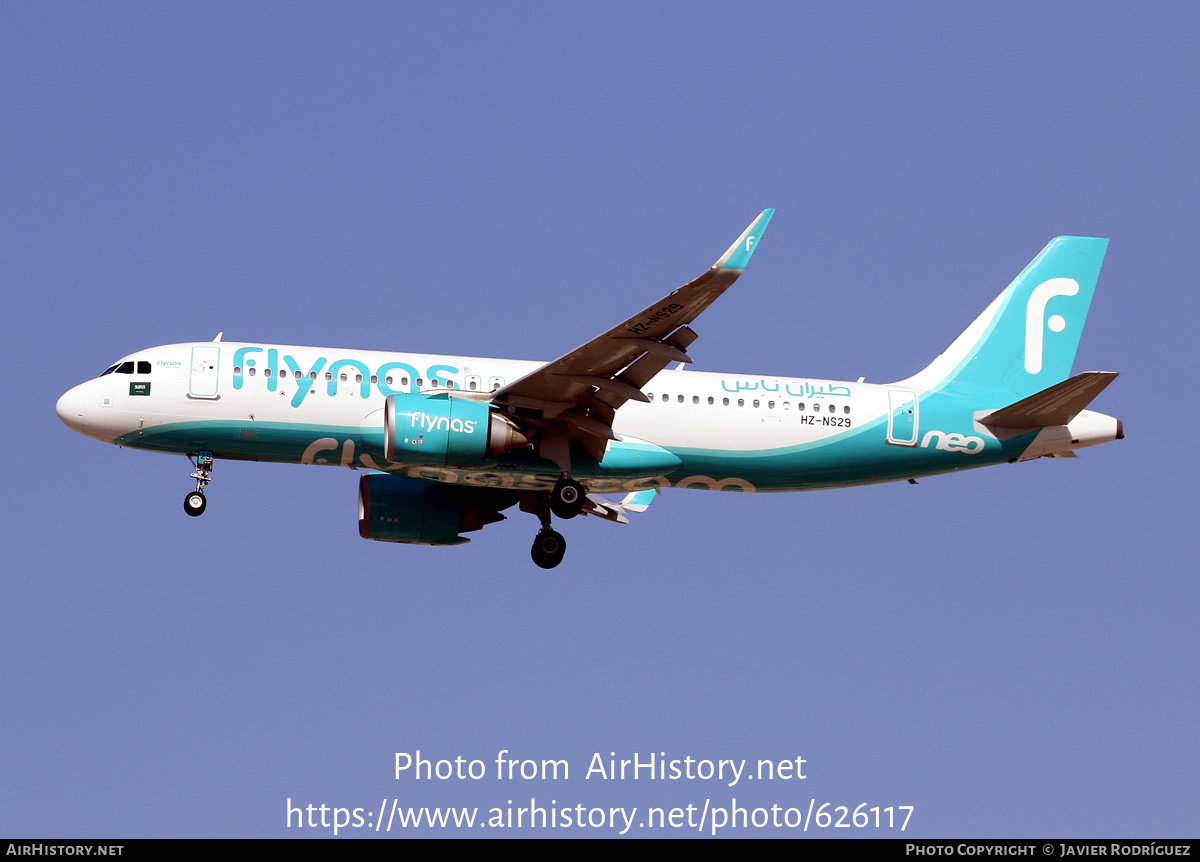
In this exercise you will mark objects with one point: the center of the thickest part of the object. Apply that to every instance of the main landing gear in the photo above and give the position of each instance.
(195, 502)
(549, 546)
(566, 500)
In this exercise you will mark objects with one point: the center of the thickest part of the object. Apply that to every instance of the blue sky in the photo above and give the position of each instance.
(1012, 651)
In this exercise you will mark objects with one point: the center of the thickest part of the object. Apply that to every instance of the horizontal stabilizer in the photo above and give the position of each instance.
(1057, 405)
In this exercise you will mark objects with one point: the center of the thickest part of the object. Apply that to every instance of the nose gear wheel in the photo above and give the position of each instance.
(195, 502)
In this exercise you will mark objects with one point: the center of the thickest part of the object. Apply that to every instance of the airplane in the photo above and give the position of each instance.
(447, 443)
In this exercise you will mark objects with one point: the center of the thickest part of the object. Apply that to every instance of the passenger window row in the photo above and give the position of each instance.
(343, 377)
(741, 402)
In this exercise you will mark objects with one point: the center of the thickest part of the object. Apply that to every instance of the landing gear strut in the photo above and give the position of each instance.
(195, 502)
(548, 546)
(566, 500)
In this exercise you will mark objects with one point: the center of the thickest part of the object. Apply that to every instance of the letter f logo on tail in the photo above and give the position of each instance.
(1035, 318)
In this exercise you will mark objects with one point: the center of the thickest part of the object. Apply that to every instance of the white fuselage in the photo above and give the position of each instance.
(711, 430)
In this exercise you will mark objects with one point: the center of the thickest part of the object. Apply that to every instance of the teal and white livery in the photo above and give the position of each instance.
(447, 443)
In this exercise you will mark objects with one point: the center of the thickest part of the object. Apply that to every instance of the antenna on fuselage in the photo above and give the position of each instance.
(219, 334)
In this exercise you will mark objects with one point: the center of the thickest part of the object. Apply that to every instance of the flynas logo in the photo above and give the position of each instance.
(390, 378)
(1036, 322)
(441, 423)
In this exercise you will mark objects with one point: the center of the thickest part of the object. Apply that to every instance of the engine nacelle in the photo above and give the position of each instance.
(399, 509)
(438, 430)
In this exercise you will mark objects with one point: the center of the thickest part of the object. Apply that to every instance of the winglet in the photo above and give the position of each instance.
(639, 501)
(609, 510)
(739, 253)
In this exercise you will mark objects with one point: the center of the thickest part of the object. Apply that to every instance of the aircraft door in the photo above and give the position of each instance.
(902, 418)
(205, 367)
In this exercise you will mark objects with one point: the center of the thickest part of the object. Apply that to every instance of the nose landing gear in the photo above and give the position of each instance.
(195, 502)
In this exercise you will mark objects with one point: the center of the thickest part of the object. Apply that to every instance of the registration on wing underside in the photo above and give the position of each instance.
(662, 314)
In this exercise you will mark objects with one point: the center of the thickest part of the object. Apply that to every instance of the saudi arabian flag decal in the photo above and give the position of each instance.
(139, 388)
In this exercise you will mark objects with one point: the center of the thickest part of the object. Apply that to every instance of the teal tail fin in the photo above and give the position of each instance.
(1025, 341)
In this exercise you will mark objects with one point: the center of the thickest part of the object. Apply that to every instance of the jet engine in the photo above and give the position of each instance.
(437, 430)
(399, 509)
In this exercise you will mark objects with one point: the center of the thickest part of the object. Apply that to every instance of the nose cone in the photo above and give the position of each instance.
(70, 409)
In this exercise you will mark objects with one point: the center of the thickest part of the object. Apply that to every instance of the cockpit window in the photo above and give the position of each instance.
(111, 369)
(143, 367)
(125, 368)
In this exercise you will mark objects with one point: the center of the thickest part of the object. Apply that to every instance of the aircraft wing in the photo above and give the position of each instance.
(583, 389)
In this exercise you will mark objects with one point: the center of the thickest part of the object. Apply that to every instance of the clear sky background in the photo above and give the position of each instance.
(1011, 650)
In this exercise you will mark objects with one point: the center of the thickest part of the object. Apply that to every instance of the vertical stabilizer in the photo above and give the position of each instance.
(1025, 340)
